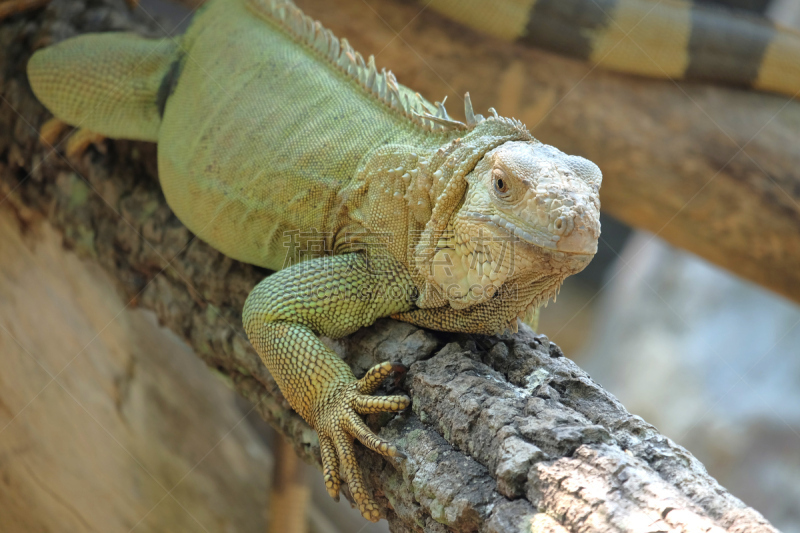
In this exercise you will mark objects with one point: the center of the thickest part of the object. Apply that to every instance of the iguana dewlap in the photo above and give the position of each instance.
(282, 147)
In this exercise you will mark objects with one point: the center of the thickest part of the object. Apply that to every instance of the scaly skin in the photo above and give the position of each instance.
(280, 146)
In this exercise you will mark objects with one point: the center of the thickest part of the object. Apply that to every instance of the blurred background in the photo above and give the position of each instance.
(712, 360)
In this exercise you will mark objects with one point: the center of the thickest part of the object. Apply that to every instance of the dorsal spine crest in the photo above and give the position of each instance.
(381, 85)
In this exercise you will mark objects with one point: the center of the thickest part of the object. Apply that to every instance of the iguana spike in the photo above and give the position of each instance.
(371, 72)
(296, 22)
(302, 26)
(390, 94)
(442, 112)
(346, 46)
(310, 29)
(446, 122)
(468, 111)
(391, 81)
(321, 40)
(394, 90)
(493, 111)
(428, 107)
(306, 26)
(341, 60)
(382, 84)
(421, 102)
(396, 98)
(333, 53)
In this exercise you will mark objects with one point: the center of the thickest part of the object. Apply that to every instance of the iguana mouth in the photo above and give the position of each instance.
(535, 238)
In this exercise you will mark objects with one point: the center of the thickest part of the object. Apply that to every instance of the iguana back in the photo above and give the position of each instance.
(257, 132)
(280, 132)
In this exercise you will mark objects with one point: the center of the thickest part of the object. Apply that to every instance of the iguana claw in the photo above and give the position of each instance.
(339, 423)
(78, 141)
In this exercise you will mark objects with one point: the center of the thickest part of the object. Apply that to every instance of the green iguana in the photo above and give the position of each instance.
(675, 39)
(283, 147)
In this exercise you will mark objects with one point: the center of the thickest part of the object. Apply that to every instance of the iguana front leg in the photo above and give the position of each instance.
(331, 296)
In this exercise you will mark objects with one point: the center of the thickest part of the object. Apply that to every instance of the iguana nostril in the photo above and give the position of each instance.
(560, 224)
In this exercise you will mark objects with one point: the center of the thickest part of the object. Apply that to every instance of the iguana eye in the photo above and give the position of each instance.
(501, 185)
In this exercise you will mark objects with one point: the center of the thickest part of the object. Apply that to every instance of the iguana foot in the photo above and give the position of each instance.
(82, 139)
(78, 141)
(51, 131)
(339, 423)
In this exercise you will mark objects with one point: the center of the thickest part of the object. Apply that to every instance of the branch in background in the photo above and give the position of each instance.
(504, 432)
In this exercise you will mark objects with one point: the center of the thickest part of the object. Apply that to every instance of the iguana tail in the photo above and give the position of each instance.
(675, 39)
(114, 84)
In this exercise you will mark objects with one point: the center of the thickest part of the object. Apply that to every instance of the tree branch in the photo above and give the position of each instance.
(504, 431)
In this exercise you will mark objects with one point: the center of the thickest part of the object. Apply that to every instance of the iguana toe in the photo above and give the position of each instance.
(357, 428)
(339, 423)
(355, 481)
(375, 376)
(366, 405)
(51, 131)
(80, 140)
(330, 466)
(77, 142)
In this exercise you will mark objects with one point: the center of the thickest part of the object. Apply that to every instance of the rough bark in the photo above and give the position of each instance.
(505, 433)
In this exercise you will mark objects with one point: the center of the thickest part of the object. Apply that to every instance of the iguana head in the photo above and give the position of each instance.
(530, 213)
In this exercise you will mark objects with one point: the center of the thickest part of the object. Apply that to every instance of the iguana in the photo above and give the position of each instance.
(281, 146)
(675, 39)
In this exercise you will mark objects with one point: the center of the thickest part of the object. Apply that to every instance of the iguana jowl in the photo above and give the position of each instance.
(273, 133)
